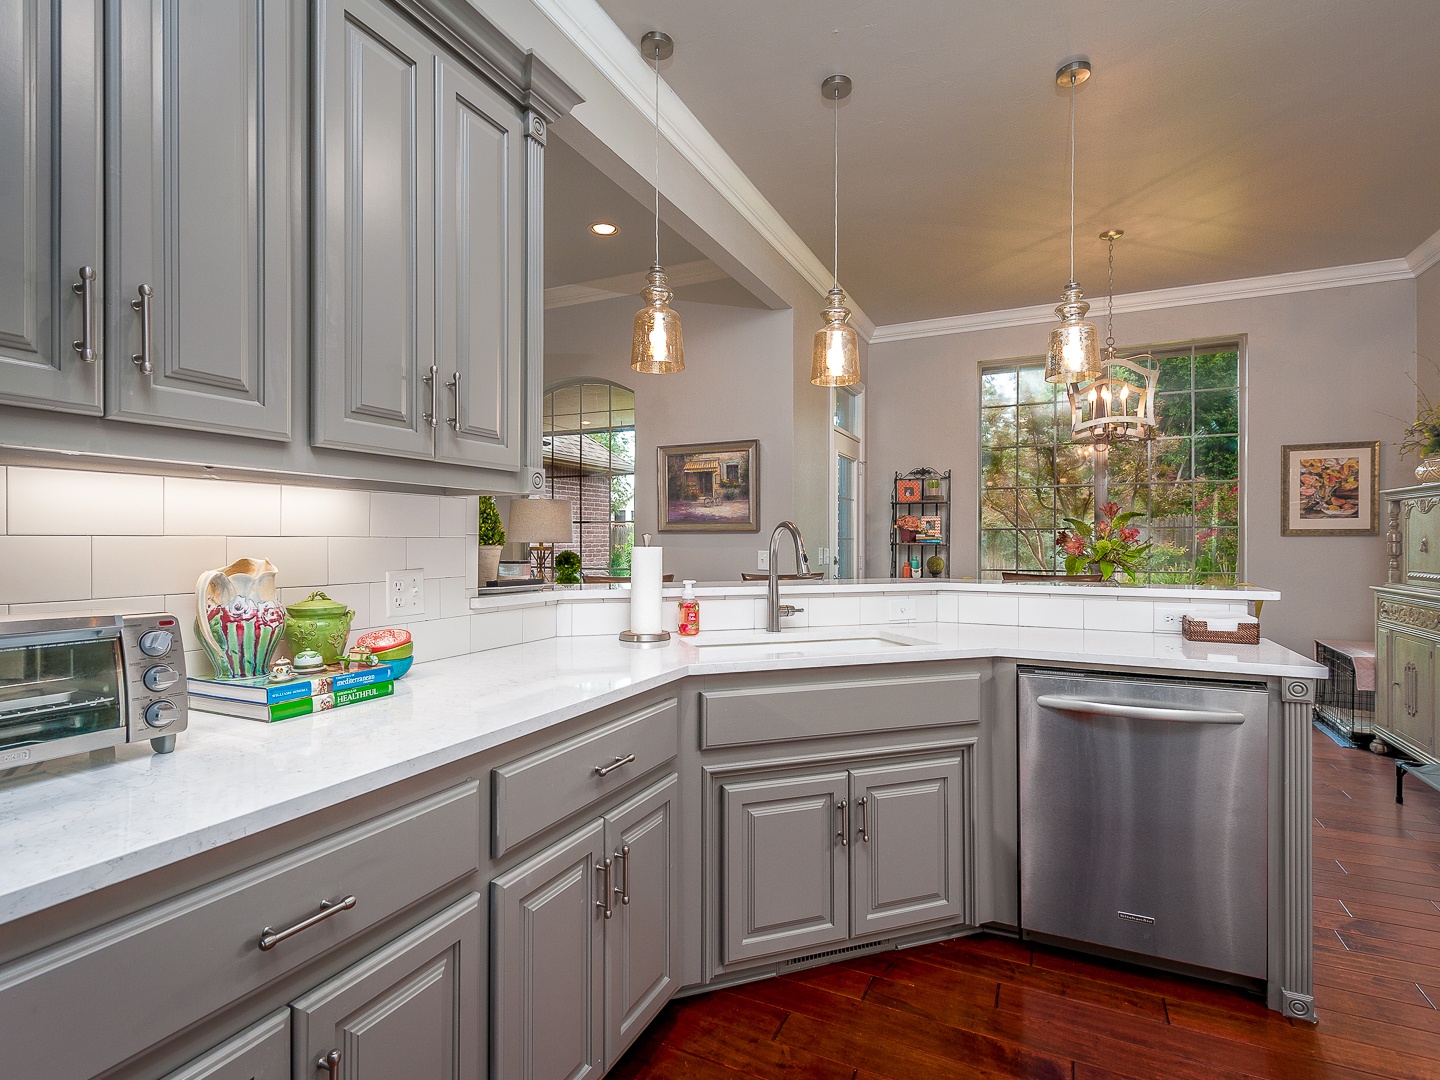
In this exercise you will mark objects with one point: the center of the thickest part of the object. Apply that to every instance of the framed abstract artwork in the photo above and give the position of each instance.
(1330, 489)
(709, 487)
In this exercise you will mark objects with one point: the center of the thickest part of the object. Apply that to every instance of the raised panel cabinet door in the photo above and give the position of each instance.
(409, 1010)
(547, 962)
(205, 143)
(1412, 689)
(1422, 541)
(642, 937)
(480, 320)
(51, 189)
(374, 382)
(260, 1052)
(1385, 701)
(911, 845)
(784, 869)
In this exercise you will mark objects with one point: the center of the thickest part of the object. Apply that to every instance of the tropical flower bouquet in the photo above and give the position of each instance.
(907, 525)
(1111, 544)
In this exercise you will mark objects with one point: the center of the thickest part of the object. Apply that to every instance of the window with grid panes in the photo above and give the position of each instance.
(1186, 482)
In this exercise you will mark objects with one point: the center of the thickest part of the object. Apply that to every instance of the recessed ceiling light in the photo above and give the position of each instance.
(604, 228)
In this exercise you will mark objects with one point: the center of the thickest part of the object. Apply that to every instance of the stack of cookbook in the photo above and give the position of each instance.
(266, 701)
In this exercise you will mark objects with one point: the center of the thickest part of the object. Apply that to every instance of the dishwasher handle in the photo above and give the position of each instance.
(1139, 712)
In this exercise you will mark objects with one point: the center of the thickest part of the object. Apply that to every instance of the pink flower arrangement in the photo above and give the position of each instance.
(908, 522)
(1111, 544)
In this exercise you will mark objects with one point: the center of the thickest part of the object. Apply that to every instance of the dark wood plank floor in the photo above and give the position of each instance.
(989, 1006)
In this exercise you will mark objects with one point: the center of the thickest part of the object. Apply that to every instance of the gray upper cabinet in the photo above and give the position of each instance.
(260, 1052)
(50, 204)
(411, 1009)
(203, 190)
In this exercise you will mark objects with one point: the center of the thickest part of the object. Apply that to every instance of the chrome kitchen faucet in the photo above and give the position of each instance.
(802, 567)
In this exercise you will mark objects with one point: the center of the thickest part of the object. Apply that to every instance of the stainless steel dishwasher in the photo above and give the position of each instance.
(1144, 816)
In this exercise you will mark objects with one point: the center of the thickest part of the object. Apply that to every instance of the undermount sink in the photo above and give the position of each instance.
(798, 643)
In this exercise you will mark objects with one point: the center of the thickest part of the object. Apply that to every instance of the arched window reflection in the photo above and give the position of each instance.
(589, 444)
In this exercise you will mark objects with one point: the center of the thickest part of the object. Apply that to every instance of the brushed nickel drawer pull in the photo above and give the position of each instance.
(432, 418)
(269, 937)
(624, 889)
(330, 1063)
(85, 289)
(606, 770)
(865, 818)
(844, 809)
(143, 357)
(453, 383)
(604, 868)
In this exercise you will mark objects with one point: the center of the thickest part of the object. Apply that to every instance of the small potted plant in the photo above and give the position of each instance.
(492, 540)
(935, 564)
(567, 568)
(907, 525)
(1111, 544)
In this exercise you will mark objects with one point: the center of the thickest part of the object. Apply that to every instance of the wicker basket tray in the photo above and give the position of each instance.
(1197, 630)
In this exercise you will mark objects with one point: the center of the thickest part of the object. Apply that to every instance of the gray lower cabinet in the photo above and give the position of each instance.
(1405, 703)
(420, 177)
(411, 1009)
(584, 942)
(260, 1052)
(812, 860)
(205, 143)
(51, 69)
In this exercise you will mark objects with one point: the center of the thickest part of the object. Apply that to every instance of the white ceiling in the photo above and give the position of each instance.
(1228, 138)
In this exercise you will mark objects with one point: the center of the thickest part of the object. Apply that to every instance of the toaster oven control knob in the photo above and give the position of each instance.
(156, 642)
(161, 713)
(160, 677)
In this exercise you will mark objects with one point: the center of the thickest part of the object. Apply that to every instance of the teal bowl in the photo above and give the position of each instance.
(401, 666)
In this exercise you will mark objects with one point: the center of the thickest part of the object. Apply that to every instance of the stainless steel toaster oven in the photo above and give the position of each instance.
(69, 684)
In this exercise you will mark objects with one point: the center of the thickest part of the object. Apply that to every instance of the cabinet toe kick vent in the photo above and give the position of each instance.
(811, 959)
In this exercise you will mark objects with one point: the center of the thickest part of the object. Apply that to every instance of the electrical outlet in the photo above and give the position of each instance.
(762, 560)
(1168, 616)
(902, 609)
(404, 593)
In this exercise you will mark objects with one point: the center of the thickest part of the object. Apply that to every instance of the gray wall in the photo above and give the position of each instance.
(736, 385)
(1427, 332)
(1322, 366)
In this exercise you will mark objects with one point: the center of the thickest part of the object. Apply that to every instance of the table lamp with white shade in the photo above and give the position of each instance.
(540, 523)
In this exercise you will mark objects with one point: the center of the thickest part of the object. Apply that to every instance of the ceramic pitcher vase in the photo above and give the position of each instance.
(238, 618)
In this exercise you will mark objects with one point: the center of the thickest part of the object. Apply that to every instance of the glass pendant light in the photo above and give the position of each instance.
(1120, 405)
(1074, 354)
(656, 346)
(836, 358)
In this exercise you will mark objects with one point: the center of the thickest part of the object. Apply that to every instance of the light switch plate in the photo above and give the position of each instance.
(902, 609)
(762, 560)
(404, 593)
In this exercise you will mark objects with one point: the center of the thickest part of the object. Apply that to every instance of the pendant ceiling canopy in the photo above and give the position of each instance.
(835, 360)
(1074, 353)
(656, 345)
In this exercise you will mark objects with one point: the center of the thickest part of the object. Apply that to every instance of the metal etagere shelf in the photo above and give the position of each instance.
(932, 506)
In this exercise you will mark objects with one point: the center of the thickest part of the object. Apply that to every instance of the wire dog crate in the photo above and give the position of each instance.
(1338, 700)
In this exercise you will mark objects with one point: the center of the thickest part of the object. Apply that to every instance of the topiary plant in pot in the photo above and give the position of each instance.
(935, 564)
(492, 540)
(567, 568)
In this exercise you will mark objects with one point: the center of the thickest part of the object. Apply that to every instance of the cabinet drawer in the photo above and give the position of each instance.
(534, 792)
(139, 979)
(1422, 541)
(770, 714)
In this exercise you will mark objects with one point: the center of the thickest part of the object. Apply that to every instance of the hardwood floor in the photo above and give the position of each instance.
(990, 1006)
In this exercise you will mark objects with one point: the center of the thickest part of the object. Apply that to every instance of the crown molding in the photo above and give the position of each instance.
(589, 292)
(594, 33)
(1425, 256)
(1215, 292)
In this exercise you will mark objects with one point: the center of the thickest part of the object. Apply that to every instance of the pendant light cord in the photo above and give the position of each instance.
(657, 156)
(1110, 300)
(835, 232)
(1072, 176)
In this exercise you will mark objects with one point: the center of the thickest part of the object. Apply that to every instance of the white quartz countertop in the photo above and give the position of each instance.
(77, 826)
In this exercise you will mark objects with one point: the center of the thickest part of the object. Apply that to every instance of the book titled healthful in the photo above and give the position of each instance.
(288, 710)
(261, 691)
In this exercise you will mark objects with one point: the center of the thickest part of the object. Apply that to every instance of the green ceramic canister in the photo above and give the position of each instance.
(318, 623)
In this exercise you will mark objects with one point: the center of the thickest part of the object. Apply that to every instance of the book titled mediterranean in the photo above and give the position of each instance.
(288, 710)
(262, 691)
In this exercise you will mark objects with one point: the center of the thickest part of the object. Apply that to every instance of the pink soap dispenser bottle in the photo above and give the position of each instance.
(689, 610)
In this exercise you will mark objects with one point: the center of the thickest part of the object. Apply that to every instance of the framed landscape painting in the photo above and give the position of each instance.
(1330, 489)
(710, 487)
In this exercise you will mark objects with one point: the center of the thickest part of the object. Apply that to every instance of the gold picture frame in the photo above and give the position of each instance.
(1330, 489)
(709, 487)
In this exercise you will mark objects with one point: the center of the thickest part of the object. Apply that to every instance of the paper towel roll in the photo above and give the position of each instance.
(646, 574)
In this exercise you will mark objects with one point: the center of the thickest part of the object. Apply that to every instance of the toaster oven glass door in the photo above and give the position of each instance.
(59, 690)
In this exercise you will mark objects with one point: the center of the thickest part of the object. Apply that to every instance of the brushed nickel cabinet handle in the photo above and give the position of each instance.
(453, 383)
(270, 937)
(85, 289)
(865, 818)
(432, 417)
(143, 357)
(843, 808)
(604, 868)
(330, 1063)
(606, 770)
(624, 890)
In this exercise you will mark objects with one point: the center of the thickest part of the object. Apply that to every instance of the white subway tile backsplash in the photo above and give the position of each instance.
(2, 501)
(60, 502)
(135, 565)
(472, 562)
(874, 608)
(495, 630)
(925, 608)
(729, 614)
(310, 511)
(436, 639)
(987, 609)
(182, 606)
(1062, 612)
(91, 607)
(454, 597)
(1111, 613)
(365, 558)
(600, 619)
(432, 597)
(832, 610)
(40, 568)
(456, 514)
(537, 624)
(299, 560)
(393, 514)
(438, 556)
(219, 508)
(947, 608)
